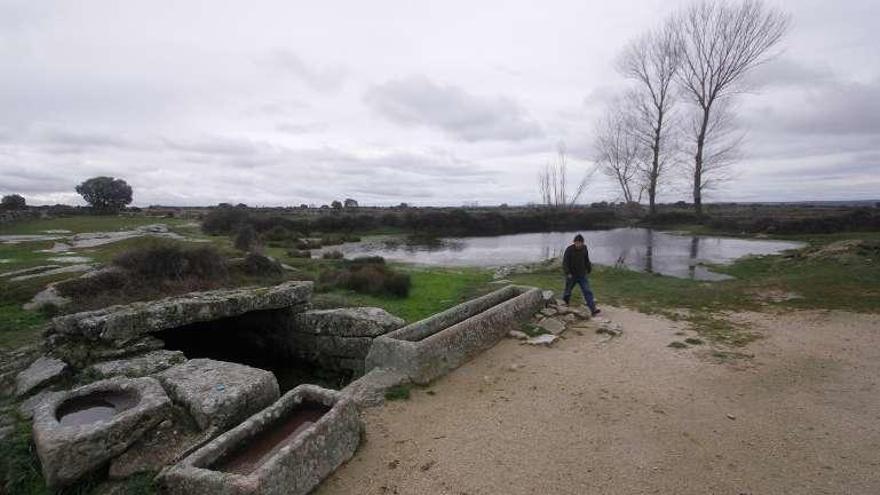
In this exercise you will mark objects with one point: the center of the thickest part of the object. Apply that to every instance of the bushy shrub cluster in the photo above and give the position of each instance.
(166, 260)
(368, 276)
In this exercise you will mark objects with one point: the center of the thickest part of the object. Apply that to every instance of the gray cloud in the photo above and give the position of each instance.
(419, 101)
(326, 79)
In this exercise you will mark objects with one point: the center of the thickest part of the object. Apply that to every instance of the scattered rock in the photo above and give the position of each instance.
(547, 295)
(694, 341)
(731, 417)
(28, 271)
(41, 372)
(612, 329)
(552, 325)
(518, 335)
(549, 311)
(569, 318)
(675, 344)
(46, 298)
(545, 340)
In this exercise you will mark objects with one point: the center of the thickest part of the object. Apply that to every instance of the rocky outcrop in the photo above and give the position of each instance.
(69, 451)
(219, 394)
(347, 322)
(41, 372)
(122, 323)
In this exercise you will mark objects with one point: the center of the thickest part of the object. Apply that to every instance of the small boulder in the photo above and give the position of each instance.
(545, 340)
(41, 372)
(552, 325)
(549, 312)
(518, 335)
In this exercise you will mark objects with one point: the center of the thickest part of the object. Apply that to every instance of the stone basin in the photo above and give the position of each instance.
(100, 405)
(430, 348)
(287, 448)
(79, 430)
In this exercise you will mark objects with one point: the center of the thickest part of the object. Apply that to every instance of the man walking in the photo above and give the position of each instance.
(576, 265)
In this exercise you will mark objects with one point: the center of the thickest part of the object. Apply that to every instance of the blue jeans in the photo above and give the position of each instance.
(585, 290)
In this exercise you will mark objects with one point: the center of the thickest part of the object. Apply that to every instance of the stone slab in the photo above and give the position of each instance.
(41, 372)
(124, 322)
(219, 394)
(144, 365)
(347, 322)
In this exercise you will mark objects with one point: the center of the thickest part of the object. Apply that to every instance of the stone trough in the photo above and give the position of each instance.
(288, 448)
(432, 347)
(78, 431)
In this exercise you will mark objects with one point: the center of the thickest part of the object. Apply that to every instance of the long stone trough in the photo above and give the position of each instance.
(430, 348)
(287, 448)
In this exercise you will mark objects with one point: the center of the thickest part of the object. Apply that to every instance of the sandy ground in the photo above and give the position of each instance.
(633, 416)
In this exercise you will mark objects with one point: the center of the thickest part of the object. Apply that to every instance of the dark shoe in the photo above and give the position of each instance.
(565, 301)
(595, 312)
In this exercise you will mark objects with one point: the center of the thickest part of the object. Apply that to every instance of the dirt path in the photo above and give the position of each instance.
(633, 416)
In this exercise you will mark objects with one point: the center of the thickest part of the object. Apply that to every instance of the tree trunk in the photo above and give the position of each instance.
(698, 163)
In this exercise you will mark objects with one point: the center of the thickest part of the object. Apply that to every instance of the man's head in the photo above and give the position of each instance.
(578, 241)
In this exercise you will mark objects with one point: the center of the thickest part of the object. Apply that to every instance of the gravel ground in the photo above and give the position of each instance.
(630, 415)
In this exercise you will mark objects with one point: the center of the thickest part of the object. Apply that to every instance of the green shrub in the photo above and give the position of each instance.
(296, 253)
(261, 265)
(367, 278)
(166, 260)
(246, 238)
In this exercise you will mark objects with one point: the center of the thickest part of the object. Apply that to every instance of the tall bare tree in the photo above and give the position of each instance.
(553, 183)
(719, 43)
(620, 151)
(652, 61)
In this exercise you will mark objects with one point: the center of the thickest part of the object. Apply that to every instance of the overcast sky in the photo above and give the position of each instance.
(431, 103)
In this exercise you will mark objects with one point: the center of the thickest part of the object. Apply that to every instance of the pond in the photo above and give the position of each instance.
(639, 249)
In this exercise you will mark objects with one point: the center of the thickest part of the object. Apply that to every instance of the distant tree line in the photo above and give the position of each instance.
(454, 221)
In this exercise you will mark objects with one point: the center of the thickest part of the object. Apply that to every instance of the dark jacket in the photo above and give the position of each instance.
(576, 262)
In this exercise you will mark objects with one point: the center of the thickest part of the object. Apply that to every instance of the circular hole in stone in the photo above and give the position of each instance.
(96, 406)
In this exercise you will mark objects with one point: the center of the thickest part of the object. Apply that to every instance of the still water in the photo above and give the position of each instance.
(638, 249)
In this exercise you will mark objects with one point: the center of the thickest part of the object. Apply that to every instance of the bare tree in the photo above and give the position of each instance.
(620, 152)
(719, 43)
(653, 61)
(553, 184)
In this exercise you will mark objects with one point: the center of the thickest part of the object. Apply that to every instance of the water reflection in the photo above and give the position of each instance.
(637, 249)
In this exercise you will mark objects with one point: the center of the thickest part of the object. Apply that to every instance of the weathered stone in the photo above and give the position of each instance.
(29, 406)
(47, 297)
(120, 323)
(369, 390)
(552, 325)
(432, 347)
(545, 340)
(166, 443)
(569, 318)
(347, 322)
(305, 344)
(294, 469)
(69, 451)
(219, 394)
(147, 364)
(548, 311)
(55, 271)
(547, 295)
(518, 335)
(41, 372)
